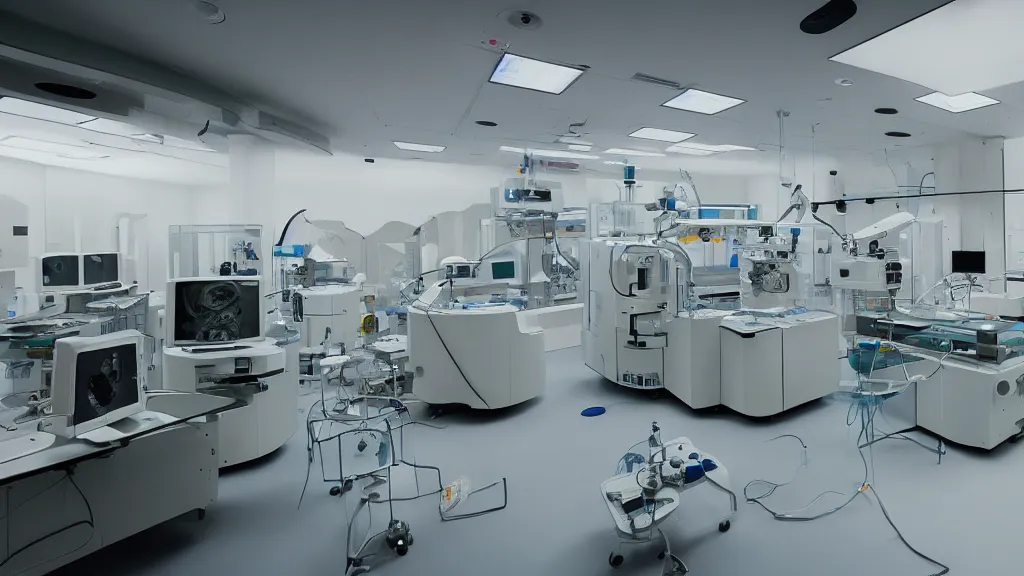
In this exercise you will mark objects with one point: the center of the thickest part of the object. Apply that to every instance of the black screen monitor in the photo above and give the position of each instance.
(60, 270)
(100, 268)
(503, 270)
(105, 380)
(208, 311)
(968, 262)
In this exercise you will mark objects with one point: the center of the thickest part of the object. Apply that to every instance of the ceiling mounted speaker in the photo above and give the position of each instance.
(829, 17)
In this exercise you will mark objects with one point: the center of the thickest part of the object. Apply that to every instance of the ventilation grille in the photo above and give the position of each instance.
(561, 166)
(640, 77)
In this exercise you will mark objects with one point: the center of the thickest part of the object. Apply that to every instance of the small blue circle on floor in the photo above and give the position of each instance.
(592, 411)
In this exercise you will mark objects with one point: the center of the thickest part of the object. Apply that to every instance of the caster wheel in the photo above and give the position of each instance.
(724, 526)
(661, 555)
(615, 560)
(410, 539)
(202, 513)
(335, 490)
(402, 549)
(678, 568)
(348, 485)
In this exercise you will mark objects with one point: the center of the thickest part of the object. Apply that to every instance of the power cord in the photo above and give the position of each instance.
(69, 475)
(864, 487)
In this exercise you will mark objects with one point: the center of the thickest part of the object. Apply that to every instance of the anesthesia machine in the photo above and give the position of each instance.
(644, 327)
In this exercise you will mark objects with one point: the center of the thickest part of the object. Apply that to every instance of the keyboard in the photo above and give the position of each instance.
(21, 446)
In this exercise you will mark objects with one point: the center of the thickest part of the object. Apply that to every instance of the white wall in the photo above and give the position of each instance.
(72, 209)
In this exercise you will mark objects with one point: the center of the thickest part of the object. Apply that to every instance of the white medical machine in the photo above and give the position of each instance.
(643, 327)
(215, 343)
(97, 382)
(868, 266)
(647, 488)
(482, 355)
(106, 461)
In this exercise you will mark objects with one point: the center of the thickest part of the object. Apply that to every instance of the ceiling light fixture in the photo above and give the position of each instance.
(550, 153)
(702, 102)
(964, 46)
(38, 111)
(614, 163)
(957, 104)
(574, 140)
(698, 149)
(62, 150)
(895, 134)
(419, 147)
(662, 135)
(487, 123)
(886, 111)
(844, 82)
(580, 147)
(627, 152)
(209, 11)
(512, 149)
(513, 70)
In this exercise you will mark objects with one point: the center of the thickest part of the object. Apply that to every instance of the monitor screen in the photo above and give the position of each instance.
(60, 270)
(503, 270)
(105, 380)
(968, 262)
(100, 268)
(217, 310)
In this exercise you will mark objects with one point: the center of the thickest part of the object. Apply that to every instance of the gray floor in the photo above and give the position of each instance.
(964, 512)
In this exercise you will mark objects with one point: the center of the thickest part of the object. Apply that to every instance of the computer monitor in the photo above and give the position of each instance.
(217, 310)
(98, 380)
(101, 268)
(968, 262)
(60, 271)
(504, 270)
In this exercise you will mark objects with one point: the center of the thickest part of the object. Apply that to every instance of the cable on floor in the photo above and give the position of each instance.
(864, 488)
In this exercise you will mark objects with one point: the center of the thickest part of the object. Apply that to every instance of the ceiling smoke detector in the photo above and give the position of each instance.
(844, 82)
(209, 11)
(524, 20)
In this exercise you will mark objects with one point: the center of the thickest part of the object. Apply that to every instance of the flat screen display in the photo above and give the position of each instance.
(216, 310)
(60, 270)
(968, 262)
(105, 380)
(503, 270)
(100, 268)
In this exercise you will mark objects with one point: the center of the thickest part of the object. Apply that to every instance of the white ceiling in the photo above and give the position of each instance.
(369, 72)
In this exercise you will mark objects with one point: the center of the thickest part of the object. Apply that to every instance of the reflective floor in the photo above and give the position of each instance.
(962, 512)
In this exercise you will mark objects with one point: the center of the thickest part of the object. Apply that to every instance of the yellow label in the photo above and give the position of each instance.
(448, 493)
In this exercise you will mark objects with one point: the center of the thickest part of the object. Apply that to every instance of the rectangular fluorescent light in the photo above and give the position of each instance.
(533, 74)
(563, 154)
(419, 147)
(574, 140)
(614, 163)
(38, 111)
(60, 149)
(963, 46)
(957, 104)
(703, 102)
(512, 149)
(580, 147)
(698, 149)
(662, 135)
(626, 152)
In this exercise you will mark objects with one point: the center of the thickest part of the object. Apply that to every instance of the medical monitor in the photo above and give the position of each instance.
(98, 380)
(503, 270)
(60, 271)
(968, 262)
(101, 268)
(215, 310)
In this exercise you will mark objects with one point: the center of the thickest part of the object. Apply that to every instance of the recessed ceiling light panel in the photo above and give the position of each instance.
(957, 104)
(512, 149)
(703, 102)
(580, 147)
(662, 135)
(419, 147)
(513, 70)
(962, 46)
(627, 152)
